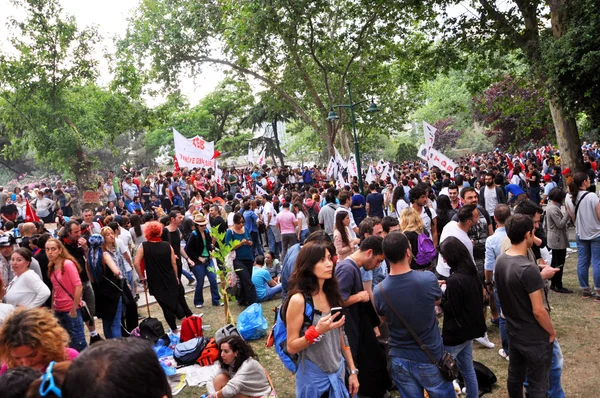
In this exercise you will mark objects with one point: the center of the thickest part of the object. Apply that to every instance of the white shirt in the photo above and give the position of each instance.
(427, 220)
(515, 178)
(123, 249)
(230, 219)
(491, 199)
(5, 311)
(27, 290)
(268, 208)
(452, 229)
(352, 222)
(125, 236)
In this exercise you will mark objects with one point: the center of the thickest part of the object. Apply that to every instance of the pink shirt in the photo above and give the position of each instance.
(69, 279)
(70, 353)
(286, 222)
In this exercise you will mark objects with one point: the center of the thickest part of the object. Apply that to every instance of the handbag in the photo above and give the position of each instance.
(446, 364)
(85, 311)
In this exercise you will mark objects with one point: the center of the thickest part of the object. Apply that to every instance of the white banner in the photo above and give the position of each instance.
(380, 166)
(385, 172)
(260, 191)
(370, 177)
(261, 158)
(340, 181)
(339, 159)
(429, 132)
(436, 158)
(331, 167)
(352, 167)
(250, 154)
(423, 152)
(193, 152)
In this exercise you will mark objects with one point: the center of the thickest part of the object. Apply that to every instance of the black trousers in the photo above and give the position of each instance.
(247, 292)
(558, 261)
(171, 314)
(532, 362)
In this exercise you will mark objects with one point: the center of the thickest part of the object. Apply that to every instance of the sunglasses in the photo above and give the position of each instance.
(48, 385)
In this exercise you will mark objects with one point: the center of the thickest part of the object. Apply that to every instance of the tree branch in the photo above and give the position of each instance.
(505, 25)
(317, 61)
(291, 100)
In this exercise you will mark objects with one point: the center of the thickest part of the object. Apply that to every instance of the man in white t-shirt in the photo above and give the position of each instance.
(467, 217)
(270, 220)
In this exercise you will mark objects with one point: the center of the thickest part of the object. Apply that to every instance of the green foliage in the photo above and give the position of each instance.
(50, 102)
(571, 61)
(303, 51)
(406, 151)
(220, 254)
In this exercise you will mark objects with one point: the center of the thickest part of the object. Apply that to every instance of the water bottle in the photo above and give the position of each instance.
(17, 233)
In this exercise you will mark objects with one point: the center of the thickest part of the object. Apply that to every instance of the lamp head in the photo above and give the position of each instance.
(332, 116)
(373, 107)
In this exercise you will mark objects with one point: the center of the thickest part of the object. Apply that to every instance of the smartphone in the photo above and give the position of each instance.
(336, 310)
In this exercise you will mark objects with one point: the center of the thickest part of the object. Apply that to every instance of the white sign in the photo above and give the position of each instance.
(352, 168)
(423, 152)
(436, 158)
(429, 132)
(331, 167)
(193, 152)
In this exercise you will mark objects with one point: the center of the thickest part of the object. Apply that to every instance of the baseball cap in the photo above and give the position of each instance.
(566, 171)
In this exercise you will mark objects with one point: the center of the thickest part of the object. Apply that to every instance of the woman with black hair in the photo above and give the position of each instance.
(344, 246)
(462, 303)
(322, 347)
(444, 211)
(398, 202)
(240, 373)
(558, 240)
(136, 230)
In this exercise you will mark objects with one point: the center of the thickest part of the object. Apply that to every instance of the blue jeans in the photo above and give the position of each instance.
(303, 235)
(188, 276)
(463, 354)
(73, 326)
(412, 378)
(273, 246)
(271, 292)
(200, 270)
(588, 252)
(130, 280)
(177, 201)
(503, 333)
(112, 326)
(256, 245)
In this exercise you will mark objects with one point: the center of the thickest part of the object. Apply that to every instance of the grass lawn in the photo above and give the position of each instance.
(576, 320)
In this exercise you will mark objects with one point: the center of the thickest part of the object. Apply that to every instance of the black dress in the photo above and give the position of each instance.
(162, 281)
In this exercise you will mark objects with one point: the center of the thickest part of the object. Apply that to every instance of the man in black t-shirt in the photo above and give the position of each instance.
(534, 183)
(521, 292)
(375, 202)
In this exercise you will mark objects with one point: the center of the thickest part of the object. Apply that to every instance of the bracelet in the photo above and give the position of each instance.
(312, 335)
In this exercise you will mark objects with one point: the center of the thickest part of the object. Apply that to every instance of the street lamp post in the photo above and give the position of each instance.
(333, 116)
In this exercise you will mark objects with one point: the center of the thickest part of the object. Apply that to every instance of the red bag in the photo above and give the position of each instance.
(191, 327)
(210, 353)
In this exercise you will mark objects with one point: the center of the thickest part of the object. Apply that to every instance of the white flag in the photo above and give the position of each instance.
(370, 175)
(352, 168)
(429, 132)
(385, 172)
(261, 159)
(331, 167)
(423, 152)
(436, 158)
(340, 181)
(218, 174)
(250, 154)
(260, 191)
(380, 166)
(393, 178)
(339, 160)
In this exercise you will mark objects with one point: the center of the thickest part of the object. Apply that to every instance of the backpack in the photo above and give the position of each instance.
(280, 334)
(485, 378)
(152, 329)
(191, 327)
(313, 217)
(187, 353)
(426, 250)
(210, 353)
(225, 331)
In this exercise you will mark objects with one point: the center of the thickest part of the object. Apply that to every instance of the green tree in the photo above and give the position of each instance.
(51, 104)
(521, 27)
(305, 51)
(406, 151)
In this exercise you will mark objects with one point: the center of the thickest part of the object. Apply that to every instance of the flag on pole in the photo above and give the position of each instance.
(339, 159)
(250, 154)
(30, 215)
(385, 172)
(260, 191)
(509, 162)
(176, 163)
(370, 175)
(352, 168)
(429, 132)
(261, 159)
(380, 166)
(340, 181)
(331, 167)
(393, 178)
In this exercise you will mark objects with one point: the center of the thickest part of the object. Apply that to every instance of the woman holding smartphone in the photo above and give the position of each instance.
(322, 347)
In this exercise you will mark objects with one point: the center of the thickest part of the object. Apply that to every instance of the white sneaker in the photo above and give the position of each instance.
(503, 354)
(484, 341)
(199, 306)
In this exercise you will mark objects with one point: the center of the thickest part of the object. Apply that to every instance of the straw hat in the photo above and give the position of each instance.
(200, 220)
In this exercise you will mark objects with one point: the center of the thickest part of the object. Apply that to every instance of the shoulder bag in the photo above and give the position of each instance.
(446, 364)
(85, 311)
(579, 202)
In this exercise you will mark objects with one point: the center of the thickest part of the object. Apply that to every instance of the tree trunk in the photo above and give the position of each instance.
(276, 138)
(331, 133)
(567, 137)
(345, 139)
(84, 180)
(567, 134)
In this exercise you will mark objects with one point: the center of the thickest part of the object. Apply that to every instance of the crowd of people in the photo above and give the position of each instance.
(378, 270)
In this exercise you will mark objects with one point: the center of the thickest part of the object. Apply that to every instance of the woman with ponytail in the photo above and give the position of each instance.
(107, 268)
(584, 208)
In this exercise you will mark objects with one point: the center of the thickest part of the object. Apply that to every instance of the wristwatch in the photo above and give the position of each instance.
(354, 372)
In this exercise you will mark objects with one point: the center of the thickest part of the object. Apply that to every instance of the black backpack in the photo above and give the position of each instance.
(313, 217)
(485, 378)
(152, 329)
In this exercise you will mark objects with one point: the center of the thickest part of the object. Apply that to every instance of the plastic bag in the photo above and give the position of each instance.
(161, 350)
(252, 324)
